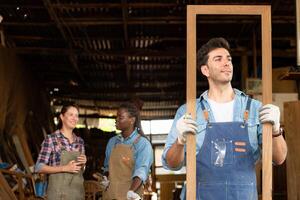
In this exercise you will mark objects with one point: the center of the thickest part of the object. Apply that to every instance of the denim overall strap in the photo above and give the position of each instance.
(225, 162)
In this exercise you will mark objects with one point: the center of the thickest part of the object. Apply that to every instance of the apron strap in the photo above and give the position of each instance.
(137, 139)
(134, 142)
(246, 112)
(205, 112)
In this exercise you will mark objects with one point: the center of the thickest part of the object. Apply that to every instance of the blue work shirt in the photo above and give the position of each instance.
(240, 101)
(143, 153)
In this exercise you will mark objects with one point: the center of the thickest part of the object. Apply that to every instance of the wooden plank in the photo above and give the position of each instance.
(166, 190)
(267, 98)
(171, 177)
(5, 191)
(19, 176)
(265, 12)
(191, 102)
(292, 136)
(21, 153)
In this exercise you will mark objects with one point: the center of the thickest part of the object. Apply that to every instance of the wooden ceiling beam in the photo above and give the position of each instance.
(115, 103)
(160, 20)
(124, 95)
(147, 38)
(113, 5)
(145, 115)
(138, 52)
(126, 39)
(66, 37)
(14, 6)
(34, 37)
(145, 108)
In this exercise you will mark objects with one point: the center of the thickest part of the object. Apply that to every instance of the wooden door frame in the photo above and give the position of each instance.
(265, 12)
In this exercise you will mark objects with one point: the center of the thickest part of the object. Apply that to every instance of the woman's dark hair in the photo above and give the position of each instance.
(63, 110)
(212, 44)
(134, 112)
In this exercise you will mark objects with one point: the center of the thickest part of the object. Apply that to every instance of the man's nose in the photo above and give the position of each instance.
(227, 63)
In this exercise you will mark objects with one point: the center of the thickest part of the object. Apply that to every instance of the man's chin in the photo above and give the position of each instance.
(226, 81)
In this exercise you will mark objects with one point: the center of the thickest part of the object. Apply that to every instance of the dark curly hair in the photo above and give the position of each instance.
(133, 111)
(212, 44)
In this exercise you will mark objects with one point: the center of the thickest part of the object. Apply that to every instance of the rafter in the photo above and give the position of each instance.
(289, 53)
(72, 55)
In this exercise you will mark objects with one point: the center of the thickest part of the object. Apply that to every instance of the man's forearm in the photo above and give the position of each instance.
(175, 155)
(279, 150)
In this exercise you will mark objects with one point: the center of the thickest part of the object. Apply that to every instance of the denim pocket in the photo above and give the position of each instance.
(242, 191)
(221, 152)
(211, 191)
(225, 191)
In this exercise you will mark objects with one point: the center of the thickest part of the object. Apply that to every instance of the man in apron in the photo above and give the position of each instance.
(228, 132)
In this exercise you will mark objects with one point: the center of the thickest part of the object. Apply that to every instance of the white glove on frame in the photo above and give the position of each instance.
(184, 125)
(270, 114)
(131, 195)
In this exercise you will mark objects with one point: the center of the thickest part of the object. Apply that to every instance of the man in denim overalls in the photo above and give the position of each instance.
(228, 132)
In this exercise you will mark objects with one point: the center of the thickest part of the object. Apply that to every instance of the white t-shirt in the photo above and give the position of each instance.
(223, 112)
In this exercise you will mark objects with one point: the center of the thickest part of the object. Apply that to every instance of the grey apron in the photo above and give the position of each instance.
(66, 186)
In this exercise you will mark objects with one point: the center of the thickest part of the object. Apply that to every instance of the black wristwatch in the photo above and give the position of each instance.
(281, 131)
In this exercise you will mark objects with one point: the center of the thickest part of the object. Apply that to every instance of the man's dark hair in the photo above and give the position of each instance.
(212, 44)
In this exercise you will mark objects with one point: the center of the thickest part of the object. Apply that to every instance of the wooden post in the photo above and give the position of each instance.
(265, 12)
(5, 190)
(267, 98)
(191, 101)
(292, 127)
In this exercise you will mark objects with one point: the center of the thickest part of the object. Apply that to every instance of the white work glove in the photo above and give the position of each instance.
(131, 195)
(104, 182)
(184, 125)
(270, 114)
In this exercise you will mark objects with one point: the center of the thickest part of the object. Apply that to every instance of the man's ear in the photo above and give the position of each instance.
(204, 70)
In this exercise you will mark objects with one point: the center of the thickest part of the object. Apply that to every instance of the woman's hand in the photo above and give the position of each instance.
(81, 159)
(72, 167)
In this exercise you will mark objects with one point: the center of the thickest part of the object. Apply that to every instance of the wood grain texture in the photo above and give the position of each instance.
(191, 102)
(292, 136)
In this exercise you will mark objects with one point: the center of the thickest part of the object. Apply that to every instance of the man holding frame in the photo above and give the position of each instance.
(228, 131)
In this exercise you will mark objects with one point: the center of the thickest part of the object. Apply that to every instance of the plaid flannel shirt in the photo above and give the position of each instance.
(52, 146)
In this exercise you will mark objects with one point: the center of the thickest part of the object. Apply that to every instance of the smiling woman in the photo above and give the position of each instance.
(62, 156)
